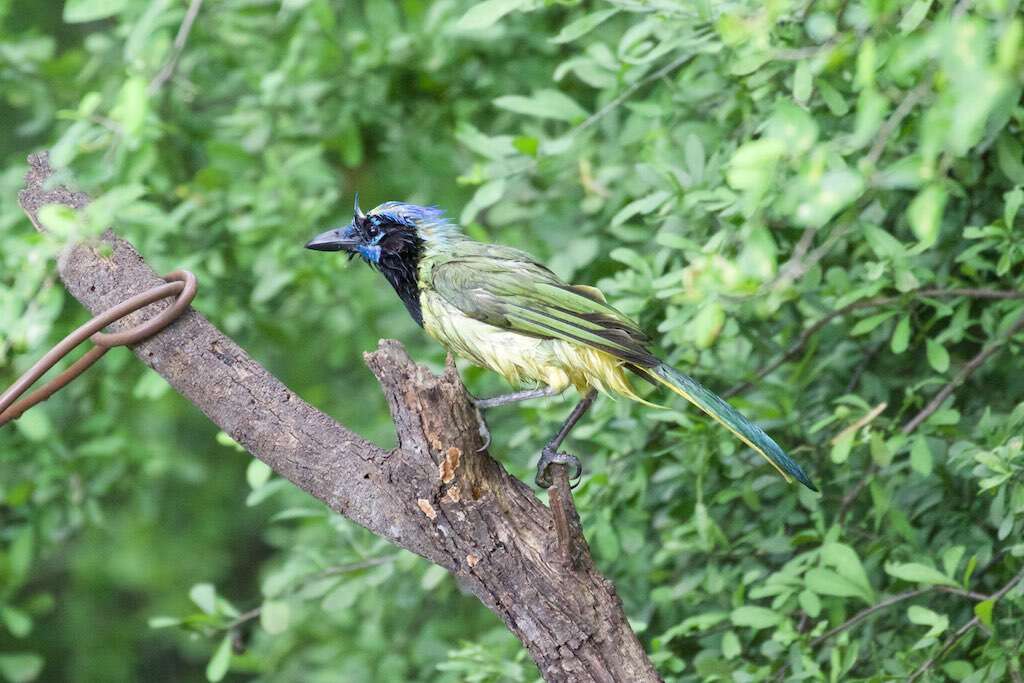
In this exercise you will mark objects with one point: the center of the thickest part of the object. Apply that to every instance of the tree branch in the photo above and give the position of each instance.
(434, 495)
(964, 630)
(870, 302)
(969, 369)
(167, 70)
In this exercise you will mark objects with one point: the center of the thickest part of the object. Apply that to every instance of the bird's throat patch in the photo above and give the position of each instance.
(402, 271)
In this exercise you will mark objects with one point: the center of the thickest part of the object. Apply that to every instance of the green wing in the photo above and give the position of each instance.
(507, 288)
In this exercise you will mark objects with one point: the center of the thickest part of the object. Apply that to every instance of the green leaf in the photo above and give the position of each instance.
(63, 221)
(867, 62)
(914, 15)
(707, 324)
(983, 610)
(802, 82)
(695, 158)
(132, 107)
(731, 645)
(925, 214)
(490, 146)
(951, 559)
(915, 572)
(900, 336)
(630, 258)
(958, 669)
(846, 562)
(921, 456)
(810, 603)
(938, 357)
(792, 125)
(16, 621)
(485, 14)
(837, 190)
(486, 196)
(20, 667)
(921, 615)
(583, 25)
(834, 100)
(275, 616)
(220, 662)
(204, 596)
(433, 577)
(20, 555)
(871, 109)
(841, 448)
(163, 622)
(1012, 201)
(642, 207)
(100, 214)
(79, 11)
(544, 104)
(869, 323)
(1010, 158)
(150, 386)
(257, 473)
(755, 617)
(827, 582)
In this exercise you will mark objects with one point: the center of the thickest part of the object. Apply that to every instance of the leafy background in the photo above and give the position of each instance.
(826, 189)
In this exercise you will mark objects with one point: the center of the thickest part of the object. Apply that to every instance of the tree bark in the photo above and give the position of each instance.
(435, 494)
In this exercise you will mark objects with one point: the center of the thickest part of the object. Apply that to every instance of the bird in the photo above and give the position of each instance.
(503, 310)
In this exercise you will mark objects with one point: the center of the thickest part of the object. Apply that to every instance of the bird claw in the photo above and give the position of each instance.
(485, 433)
(548, 457)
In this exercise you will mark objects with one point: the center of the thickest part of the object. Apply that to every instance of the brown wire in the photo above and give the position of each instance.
(180, 284)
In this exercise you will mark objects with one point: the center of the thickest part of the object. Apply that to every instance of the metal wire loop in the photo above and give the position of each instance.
(181, 284)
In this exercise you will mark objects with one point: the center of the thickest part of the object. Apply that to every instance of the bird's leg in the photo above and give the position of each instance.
(550, 455)
(514, 397)
(503, 400)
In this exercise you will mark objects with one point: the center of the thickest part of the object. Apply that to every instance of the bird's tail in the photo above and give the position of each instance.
(730, 418)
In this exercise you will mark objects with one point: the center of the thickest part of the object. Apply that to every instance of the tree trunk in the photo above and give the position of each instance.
(436, 494)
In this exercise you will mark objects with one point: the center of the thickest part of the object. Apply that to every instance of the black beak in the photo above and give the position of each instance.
(332, 241)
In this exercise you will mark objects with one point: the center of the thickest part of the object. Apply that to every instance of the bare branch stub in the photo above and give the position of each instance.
(434, 495)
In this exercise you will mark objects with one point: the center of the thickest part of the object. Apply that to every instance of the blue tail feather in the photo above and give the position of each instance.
(731, 419)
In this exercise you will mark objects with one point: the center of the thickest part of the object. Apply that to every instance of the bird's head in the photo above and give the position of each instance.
(385, 236)
(392, 238)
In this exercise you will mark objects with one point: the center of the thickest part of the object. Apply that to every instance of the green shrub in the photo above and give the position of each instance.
(828, 190)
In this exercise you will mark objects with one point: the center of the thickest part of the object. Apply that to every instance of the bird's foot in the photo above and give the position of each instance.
(485, 433)
(548, 457)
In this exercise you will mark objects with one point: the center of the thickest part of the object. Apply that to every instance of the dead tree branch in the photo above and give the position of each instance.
(434, 495)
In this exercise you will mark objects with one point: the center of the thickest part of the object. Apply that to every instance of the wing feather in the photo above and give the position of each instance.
(506, 288)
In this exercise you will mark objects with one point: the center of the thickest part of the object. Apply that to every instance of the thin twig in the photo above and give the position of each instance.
(965, 372)
(867, 612)
(851, 495)
(870, 302)
(167, 70)
(334, 570)
(865, 420)
(893, 122)
(796, 265)
(964, 630)
(793, 264)
(630, 91)
(888, 602)
(862, 366)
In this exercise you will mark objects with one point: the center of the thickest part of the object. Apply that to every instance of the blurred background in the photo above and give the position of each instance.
(824, 189)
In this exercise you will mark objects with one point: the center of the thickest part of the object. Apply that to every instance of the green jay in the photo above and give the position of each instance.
(499, 308)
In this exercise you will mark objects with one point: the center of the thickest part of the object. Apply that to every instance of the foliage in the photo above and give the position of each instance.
(730, 172)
